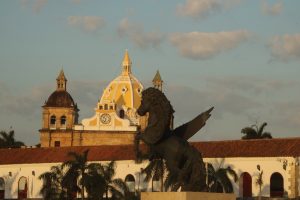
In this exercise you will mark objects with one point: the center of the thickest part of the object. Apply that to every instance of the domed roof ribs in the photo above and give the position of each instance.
(126, 64)
(61, 81)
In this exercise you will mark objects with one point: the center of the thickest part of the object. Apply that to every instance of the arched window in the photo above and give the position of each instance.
(245, 184)
(130, 182)
(2, 188)
(22, 188)
(156, 183)
(63, 121)
(52, 121)
(122, 114)
(276, 185)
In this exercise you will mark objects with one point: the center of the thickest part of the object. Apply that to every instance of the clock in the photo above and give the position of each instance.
(105, 118)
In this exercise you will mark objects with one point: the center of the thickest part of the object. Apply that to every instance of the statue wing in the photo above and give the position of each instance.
(187, 130)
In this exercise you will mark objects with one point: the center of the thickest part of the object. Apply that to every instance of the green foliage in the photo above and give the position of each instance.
(218, 179)
(7, 140)
(156, 169)
(77, 175)
(255, 132)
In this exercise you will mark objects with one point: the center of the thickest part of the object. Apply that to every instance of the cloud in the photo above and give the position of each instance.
(275, 9)
(202, 8)
(36, 5)
(138, 36)
(248, 85)
(87, 23)
(204, 45)
(285, 47)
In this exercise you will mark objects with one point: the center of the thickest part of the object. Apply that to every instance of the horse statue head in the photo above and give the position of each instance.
(160, 112)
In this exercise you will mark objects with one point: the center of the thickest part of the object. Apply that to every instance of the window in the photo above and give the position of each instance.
(105, 107)
(22, 188)
(2, 188)
(111, 107)
(245, 185)
(122, 114)
(52, 122)
(130, 182)
(57, 143)
(276, 185)
(101, 107)
(63, 121)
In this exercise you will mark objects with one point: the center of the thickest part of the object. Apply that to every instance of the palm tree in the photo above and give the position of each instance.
(156, 169)
(121, 191)
(94, 182)
(89, 175)
(7, 140)
(219, 181)
(255, 132)
(52, 187)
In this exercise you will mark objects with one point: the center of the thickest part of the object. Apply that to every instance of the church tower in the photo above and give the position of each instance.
(157, 81)
(60, 113)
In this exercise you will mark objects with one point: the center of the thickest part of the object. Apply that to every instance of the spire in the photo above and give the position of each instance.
(61, 81)
(126, 64)
(157, 81)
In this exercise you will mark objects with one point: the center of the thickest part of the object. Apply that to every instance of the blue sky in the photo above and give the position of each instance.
(241, 56)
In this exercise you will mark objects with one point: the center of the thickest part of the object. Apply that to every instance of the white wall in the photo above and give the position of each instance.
(268, 165)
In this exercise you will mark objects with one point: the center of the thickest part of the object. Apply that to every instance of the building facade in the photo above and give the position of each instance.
(277, 158)
(115, 120)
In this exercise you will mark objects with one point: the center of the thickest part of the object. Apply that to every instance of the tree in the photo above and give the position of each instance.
(52, 187)
(219, 181)
(255, 132)
(89, 176)
(7, 140)
(155, 169)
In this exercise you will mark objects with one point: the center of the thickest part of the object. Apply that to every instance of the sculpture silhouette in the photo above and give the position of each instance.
(183, 161)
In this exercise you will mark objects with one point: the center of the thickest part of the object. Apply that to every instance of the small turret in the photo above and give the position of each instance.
(157, 81)
(126, 64)
(61, 82)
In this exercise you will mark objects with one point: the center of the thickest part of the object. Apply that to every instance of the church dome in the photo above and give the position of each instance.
(60, 99)
(125, 90)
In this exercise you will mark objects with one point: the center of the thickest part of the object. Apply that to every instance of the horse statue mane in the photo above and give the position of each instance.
(154, 101)
(183, 161)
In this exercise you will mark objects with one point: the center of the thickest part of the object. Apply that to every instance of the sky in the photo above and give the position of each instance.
(240, 56)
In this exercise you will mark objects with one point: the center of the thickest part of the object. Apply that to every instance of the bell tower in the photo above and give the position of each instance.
(60, 114)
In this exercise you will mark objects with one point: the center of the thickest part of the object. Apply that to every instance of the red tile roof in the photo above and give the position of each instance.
(231, 148)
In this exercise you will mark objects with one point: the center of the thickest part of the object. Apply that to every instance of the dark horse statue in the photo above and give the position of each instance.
(183, 161)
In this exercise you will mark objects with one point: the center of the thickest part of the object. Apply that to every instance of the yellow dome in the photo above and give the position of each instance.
(125, 90)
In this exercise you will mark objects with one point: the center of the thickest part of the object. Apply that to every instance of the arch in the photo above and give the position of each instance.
(245, 185)
(130, 182)
(276, 185)
(122, 114)
(63, 121)
(22, 188)
(2, 188)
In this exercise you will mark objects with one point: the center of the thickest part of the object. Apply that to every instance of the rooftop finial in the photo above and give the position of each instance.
(126, 64)
(61, 81)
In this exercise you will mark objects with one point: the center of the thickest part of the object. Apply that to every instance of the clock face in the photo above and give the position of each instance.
(105, 118)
